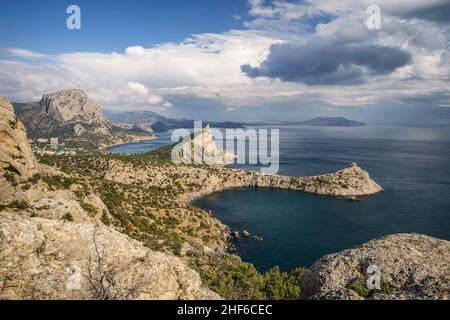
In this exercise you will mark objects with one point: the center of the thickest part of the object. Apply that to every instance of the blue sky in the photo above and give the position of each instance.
(234, 59)
(113, 25)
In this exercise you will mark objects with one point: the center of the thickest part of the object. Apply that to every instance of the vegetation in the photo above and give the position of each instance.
(149, 211)
(245, 282)
(68, 217)
(89, 208)
(16, 204)
(59, 182)
(360, 287)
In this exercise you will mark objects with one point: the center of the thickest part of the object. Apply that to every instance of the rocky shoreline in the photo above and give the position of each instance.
(349, 183)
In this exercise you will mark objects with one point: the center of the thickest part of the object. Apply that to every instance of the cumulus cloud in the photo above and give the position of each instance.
(310, 52)
(328, 63)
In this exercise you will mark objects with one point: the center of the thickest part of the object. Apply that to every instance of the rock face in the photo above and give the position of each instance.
(16, 157)
(412, 266)
(50, 259)
(79, 130)
(201, 148)
(72, 105)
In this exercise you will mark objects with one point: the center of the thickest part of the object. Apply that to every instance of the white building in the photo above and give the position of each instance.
(42, 140)
(54, 141)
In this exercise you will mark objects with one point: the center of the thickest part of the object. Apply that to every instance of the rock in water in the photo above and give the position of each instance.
(16, 157)
(412, 266)
(51, 259)
(202, 149)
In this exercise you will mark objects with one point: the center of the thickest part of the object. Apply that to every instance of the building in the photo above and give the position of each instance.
(42, 140)
(54, 141)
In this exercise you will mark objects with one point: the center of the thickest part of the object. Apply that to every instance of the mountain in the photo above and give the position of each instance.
(330, 122)
(73, 115)
(153, 122)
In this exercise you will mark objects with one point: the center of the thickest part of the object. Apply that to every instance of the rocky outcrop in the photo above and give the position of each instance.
(201, 148)
(72, 114)
(72, 105)
(349, 183)
(16, 159)
(412, 266)
(79, 130)
(50, 259)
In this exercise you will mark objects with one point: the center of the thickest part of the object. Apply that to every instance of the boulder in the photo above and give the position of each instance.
(412, 266)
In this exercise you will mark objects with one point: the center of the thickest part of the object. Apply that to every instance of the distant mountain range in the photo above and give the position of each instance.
(329, 121)
(153, 122)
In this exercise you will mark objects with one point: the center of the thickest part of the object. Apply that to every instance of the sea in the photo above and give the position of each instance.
(412, 164)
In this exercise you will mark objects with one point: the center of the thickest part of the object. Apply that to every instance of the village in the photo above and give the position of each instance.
(53, 146)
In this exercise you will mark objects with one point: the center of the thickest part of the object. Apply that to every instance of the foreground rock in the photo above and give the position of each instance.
(413, 266)
(17, 162)
(49, 259)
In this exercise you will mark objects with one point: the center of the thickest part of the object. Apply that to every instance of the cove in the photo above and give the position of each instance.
(299, 228)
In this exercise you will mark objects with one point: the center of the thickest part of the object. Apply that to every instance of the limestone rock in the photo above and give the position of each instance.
(50, 259)
(16, 156)
(69, 105)
(201, 148)
(412, 266)
(79, 130)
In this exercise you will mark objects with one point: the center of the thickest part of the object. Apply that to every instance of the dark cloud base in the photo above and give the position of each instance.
(328, 63)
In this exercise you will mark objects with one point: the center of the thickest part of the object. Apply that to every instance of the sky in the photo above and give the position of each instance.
(235, 59)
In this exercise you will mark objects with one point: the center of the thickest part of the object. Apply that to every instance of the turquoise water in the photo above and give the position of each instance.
(412, 164)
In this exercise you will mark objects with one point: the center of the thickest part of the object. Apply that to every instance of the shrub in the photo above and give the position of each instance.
(360, 287)
(89, 208)
(68, 217)
(245, 282)
(105, 219)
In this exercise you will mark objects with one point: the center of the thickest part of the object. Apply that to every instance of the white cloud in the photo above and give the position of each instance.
(206, 68)
(22, 53)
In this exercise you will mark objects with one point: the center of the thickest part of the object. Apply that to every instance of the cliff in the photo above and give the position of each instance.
(412, 266)
(17, 162)
(50, 259)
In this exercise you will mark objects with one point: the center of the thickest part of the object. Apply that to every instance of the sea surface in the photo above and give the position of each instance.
(411, 164)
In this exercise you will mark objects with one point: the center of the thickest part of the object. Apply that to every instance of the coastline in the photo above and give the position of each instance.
(104, 148)
(349, 184)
